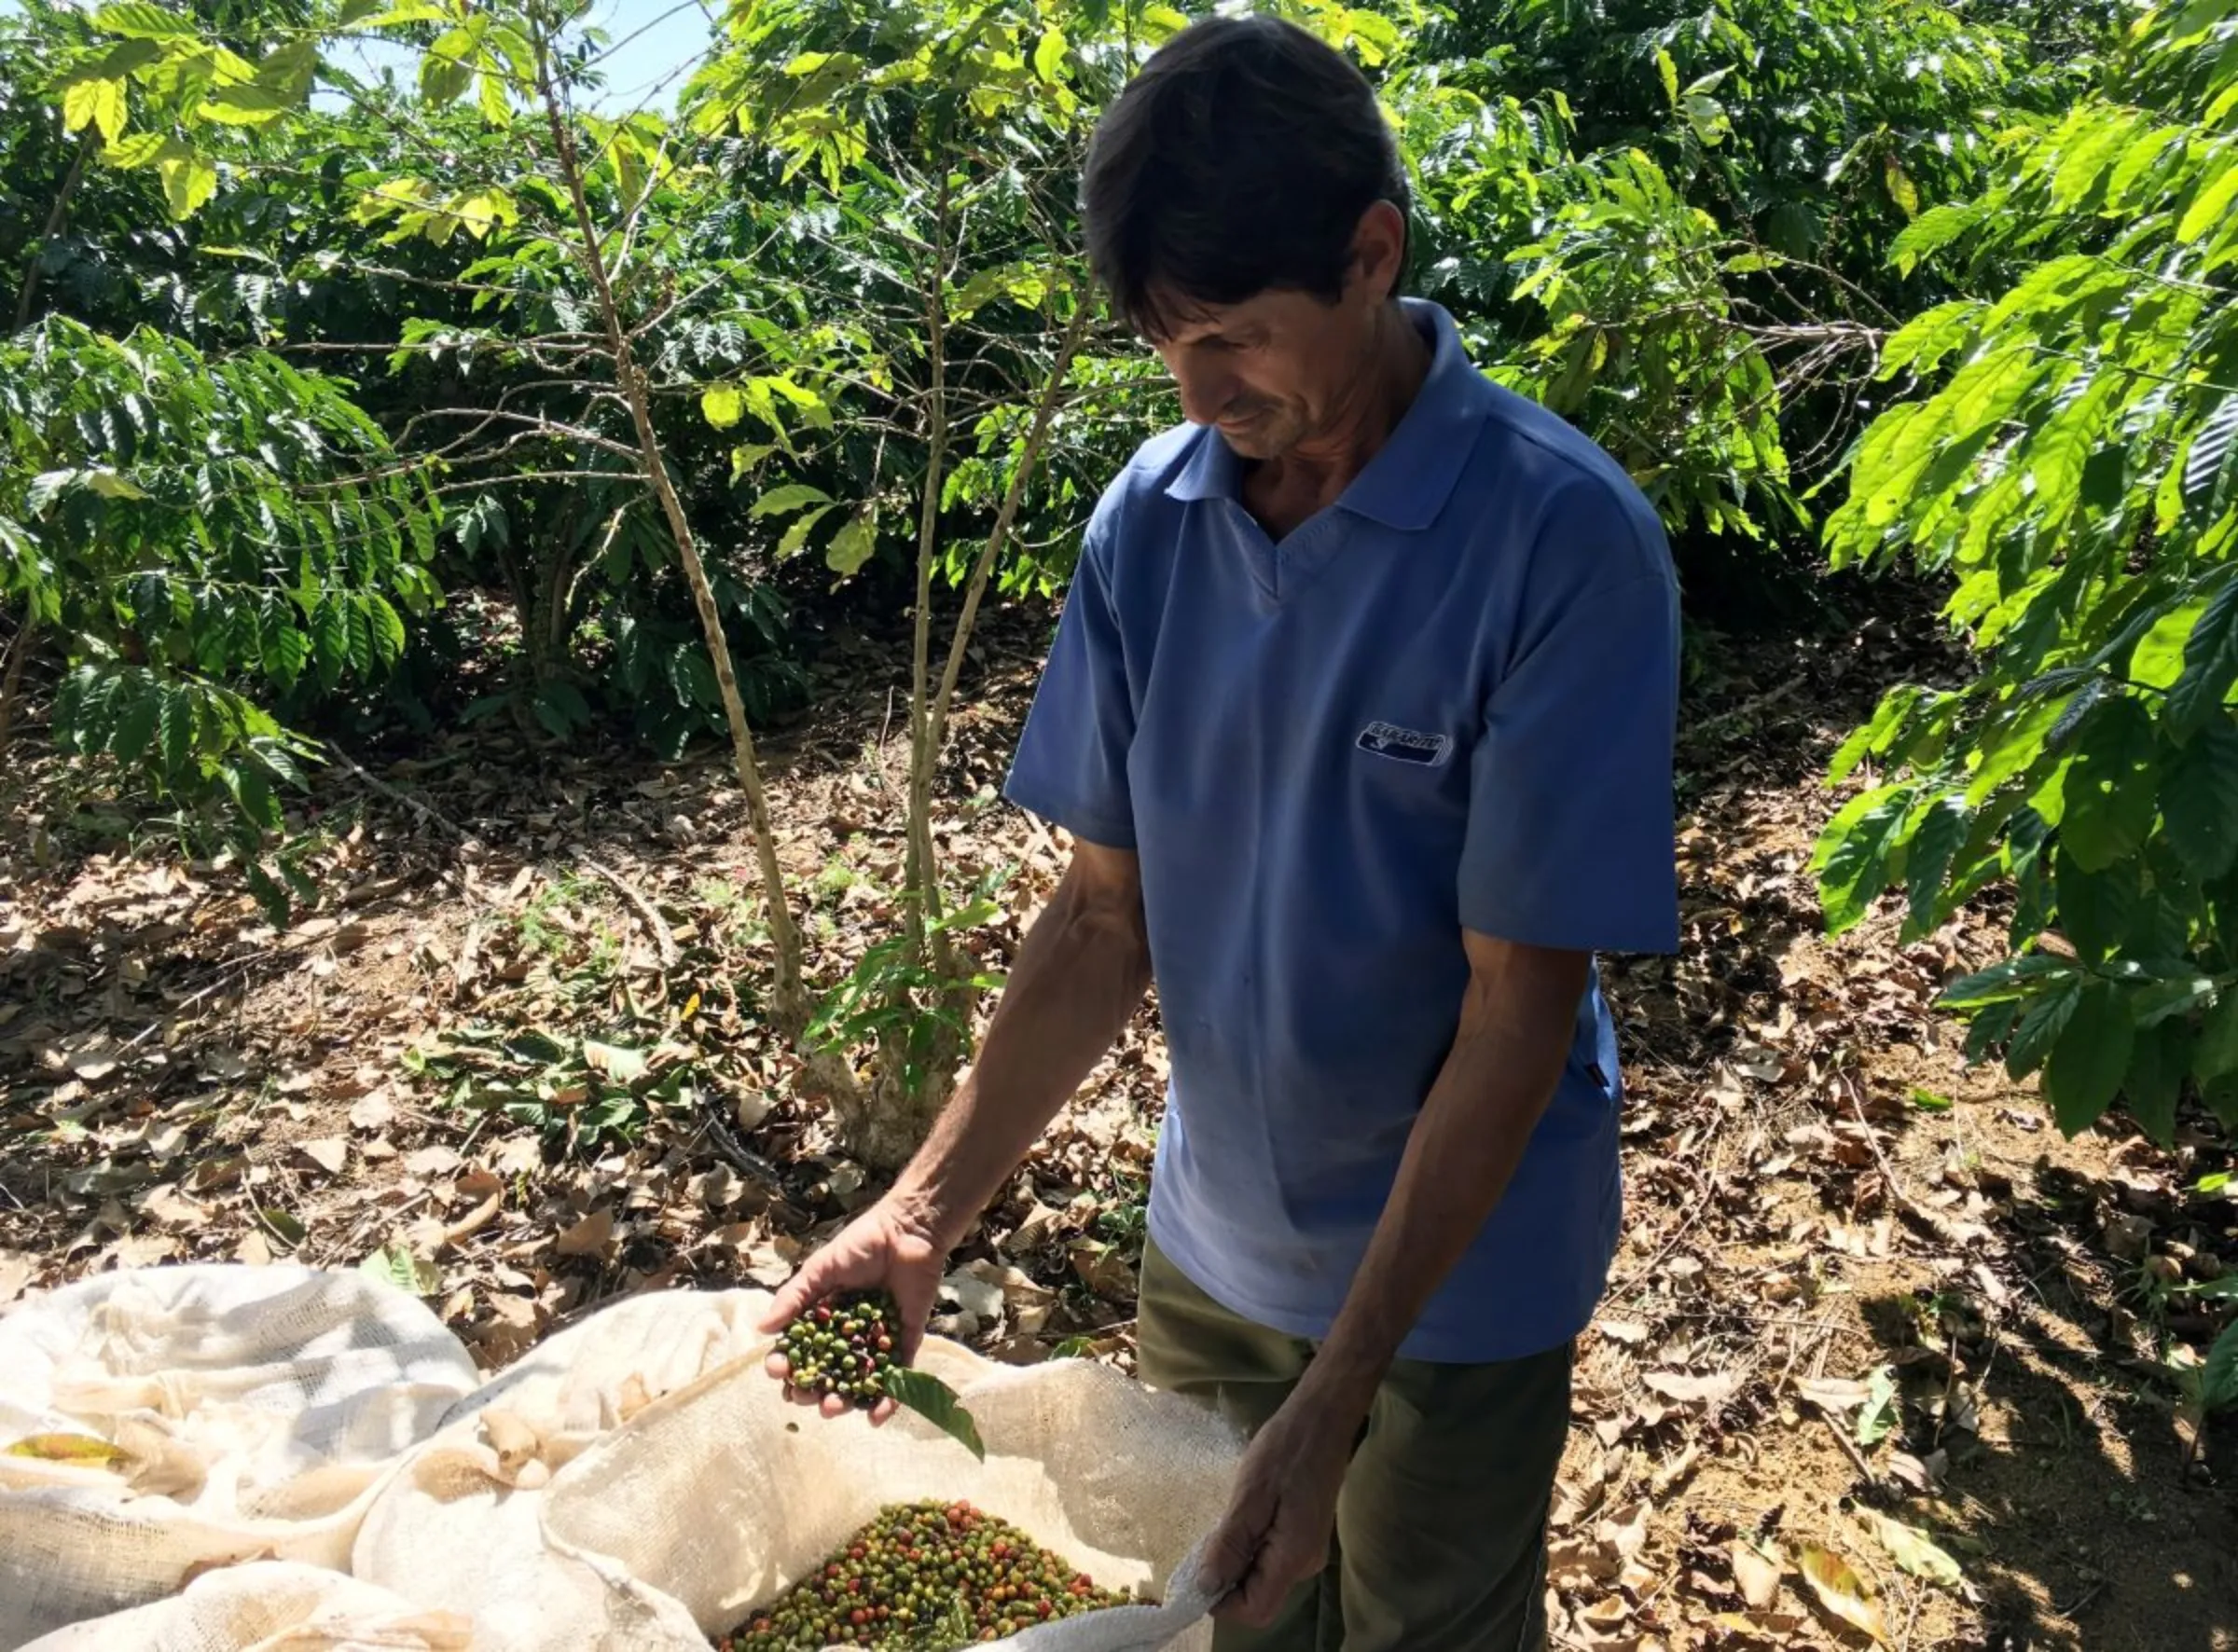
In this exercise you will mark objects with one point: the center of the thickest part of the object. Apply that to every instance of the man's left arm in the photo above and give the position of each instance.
(1568, 851)
(1516, 1024)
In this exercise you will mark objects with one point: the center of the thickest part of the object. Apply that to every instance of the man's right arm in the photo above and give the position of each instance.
(1080, 974)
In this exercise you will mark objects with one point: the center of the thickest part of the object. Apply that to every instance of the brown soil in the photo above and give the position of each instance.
(1841, 1302)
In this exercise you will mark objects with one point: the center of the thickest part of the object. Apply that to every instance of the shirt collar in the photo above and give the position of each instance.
(1406, 483)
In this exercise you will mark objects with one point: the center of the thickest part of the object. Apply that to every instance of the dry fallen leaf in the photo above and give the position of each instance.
(1758, 1577)
(590, 1236)
(374, 1111)
(1692, 1390)
(1625, 1529)
(331, 1153)
(1914, 1550)
(1628, 1333)
(1840, 1591)
(66, 1448)
(432, 1160)
(1832, 1394)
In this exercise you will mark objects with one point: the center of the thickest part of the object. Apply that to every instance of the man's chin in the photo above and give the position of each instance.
(1256, 441)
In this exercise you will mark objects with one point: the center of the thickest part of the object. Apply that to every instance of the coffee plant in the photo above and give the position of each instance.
(2065, 453)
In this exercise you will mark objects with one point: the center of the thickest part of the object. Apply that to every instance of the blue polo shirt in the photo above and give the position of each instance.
(1444, 702)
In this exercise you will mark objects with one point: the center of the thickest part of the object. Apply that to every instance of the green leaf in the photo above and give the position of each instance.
(852, 545)
(2217, 1050)
(1901, 189)
(109, 484)
(388, 630)
(2088, 1063)
(1889, 719)
(2096, 909)
(330, 636)
(134, 149)
(94, 103)
(176, 722)
(1850, 858)
(2199, 801)
(1049, 54)
(246, 105)
(2042, 1021)
(2218, 1380)
(135, 728)
(2159, 1057)
(792, 496)
(935, 1401)
(795, 537)
(1877, 1420)
(189, 180)
(139, 20)
(1928, 1102)
(1927, 859)
(617, 1062)
(2108, 791)
(1915, 1552)
(2213, 204)
(2015, 978)
(723, 404)
(2210, 662)
(444, 77)
(1669, 70)
(395, 1265)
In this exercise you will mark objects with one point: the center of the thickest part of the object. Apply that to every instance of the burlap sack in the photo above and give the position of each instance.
(460, 1525)
(722, 1495)
(269, 1606)
(258, 1407)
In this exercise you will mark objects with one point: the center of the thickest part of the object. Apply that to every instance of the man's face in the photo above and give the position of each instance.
(1272, 372)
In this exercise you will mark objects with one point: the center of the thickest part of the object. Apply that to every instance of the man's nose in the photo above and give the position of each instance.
(1204, 395)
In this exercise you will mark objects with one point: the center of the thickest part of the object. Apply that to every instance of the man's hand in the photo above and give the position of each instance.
(1276, 1533)
(891, 1245)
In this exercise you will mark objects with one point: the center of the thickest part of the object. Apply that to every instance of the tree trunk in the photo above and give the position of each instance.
(788, 998)
(57, 215)
(11, 685)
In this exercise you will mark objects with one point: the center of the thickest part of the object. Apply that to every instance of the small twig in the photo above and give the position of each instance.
(1710, 725)
(2082, 1600)
(425, 811)
(665, 941)
(1850, 1449)
(1933, 1222)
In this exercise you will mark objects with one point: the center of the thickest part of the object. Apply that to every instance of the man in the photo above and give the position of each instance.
(1360, 714)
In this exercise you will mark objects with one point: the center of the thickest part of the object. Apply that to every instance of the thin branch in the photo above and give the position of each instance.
(1044, 416)
(56, 217)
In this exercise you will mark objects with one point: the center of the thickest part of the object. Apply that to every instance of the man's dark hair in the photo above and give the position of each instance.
(1239, 160)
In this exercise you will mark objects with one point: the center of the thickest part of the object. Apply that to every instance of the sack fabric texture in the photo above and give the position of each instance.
(239, 1457)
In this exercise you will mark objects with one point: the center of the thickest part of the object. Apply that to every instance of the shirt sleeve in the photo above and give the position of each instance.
(1571, 838)
(1070, 763)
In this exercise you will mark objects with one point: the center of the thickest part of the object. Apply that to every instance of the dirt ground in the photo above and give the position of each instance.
(1883, 1358)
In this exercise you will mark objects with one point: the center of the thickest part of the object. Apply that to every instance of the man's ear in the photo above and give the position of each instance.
(1378, 251)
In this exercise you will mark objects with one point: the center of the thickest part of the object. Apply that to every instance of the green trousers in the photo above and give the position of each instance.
(1441, 1527)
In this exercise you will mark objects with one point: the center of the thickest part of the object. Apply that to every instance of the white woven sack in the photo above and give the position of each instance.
(269, 1606)
(459, 1525)
(724, 1494)
(262, 1407)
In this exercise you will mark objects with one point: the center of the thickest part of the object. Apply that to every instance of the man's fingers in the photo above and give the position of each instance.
(778, 1366)
(796, 1295)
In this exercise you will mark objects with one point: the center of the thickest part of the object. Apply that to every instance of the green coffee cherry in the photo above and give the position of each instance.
(914, 1578)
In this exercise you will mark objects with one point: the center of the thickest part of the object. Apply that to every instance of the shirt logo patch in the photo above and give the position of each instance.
(1405, 745)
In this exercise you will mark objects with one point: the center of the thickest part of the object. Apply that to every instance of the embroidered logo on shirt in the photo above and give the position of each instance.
(1405, 745)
